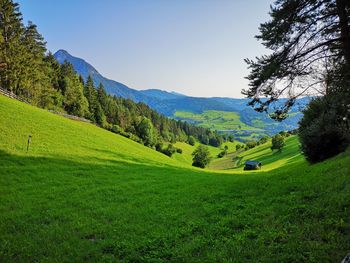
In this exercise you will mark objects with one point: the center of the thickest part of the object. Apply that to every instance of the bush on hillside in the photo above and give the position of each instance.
(201, 156)
(191, 140)
(231, 138)
(324, 128)
(284, 133)
(239, 146)
(263, 140)
(159, 146)
(277, 142)
(116, 129)
(170, 150)
(224, 152)
(221, 154)
(251, 144)
(215, 141)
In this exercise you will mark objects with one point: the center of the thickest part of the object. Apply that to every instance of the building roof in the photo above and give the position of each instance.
(252, 163)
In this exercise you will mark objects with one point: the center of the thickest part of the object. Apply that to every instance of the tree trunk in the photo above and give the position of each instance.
(344, 27)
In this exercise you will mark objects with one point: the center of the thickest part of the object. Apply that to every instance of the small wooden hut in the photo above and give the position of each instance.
(252, 165)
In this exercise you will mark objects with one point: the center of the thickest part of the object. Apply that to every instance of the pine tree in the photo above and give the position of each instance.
(34, 80)
(91, 96)
(306, 37)
(12, 51)
(53, 71)
(102, 97)
(74, 101)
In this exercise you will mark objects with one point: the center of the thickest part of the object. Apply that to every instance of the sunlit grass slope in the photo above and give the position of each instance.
(187, 150)
(270, 159)
(82, 194)
(217, 120)
(54, 136)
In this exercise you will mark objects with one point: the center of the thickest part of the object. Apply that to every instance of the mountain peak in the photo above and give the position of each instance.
(80, 65)
(61, 51)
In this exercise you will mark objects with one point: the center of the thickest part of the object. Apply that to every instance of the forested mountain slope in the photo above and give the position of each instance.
(170, 103)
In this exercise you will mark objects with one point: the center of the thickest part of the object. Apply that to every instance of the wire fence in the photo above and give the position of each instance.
(12, 95)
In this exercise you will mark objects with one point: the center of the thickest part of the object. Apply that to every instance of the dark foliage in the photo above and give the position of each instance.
(191, 140)
(170, 150)
(324, 129)
(179, 150)
(201, 156)
(251, 144)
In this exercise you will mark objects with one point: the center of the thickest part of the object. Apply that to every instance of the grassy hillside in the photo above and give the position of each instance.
(187, 150)
(226, 121)
(83, 194)
(245, 125)
(217, 120)
(270, 159)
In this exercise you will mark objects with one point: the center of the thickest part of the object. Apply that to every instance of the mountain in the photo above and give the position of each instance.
(171, 103)
(111, 86)
(161, 94)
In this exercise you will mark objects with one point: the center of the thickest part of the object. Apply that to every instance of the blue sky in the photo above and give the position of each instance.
(195, 47)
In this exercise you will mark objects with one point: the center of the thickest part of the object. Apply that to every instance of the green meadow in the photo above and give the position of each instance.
(270, 159)
(216, 120)
(83, 194)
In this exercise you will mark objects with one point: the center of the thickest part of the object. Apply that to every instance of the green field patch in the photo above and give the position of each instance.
(216, 120)
(270, 160)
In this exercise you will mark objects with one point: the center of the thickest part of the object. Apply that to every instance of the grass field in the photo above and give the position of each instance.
(83, 194)
(186, 156)
(216, 120)
(270, 159)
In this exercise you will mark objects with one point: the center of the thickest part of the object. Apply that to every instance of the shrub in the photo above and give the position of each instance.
(277, 142)
(251, 144)
(284, 133)
(222, 154)
(201, 156)
(116, 129)
(231, 138)
(159, 146)
(264, 140)
(215, 141)
(191, 140)
(170, 150)
(179, 150)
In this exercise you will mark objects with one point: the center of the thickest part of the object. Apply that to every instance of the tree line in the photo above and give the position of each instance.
(28, 70)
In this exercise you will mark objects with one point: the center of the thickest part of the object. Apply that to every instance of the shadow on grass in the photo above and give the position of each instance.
(93, 167)
(69, 209)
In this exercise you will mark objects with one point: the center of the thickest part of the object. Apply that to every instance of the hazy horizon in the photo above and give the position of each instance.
(191, 47)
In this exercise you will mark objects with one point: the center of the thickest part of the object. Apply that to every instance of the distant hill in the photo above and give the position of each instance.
(161, 94)
(170, 103)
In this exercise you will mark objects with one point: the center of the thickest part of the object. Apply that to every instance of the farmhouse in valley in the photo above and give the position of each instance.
(252, 165)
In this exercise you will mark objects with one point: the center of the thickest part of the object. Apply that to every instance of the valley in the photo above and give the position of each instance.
(85, 193)
(238, 118)
(254, 166)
